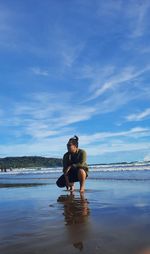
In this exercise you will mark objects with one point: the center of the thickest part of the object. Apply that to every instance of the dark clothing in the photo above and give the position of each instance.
(76, 161)
(72, 175)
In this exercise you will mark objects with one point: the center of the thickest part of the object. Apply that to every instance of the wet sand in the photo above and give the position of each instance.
(110, 217)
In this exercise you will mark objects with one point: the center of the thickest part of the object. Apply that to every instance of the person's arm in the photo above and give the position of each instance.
(82, 160)
(67, 179)
(65, 163)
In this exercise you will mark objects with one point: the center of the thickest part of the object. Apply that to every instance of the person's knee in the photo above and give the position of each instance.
(81, 173)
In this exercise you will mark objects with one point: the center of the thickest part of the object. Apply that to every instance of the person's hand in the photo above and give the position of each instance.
(68, 184)
(67, 180)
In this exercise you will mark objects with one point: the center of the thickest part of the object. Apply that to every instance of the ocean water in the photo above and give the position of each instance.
(139, 171)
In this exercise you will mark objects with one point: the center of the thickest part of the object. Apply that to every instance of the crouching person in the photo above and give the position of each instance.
(75, 168)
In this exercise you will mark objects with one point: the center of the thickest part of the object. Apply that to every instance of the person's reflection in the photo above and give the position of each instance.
(76, 212)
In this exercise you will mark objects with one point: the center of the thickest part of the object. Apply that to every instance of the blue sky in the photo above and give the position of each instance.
(75, 67)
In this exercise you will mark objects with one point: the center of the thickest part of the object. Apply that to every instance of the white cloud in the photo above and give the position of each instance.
(39, 71)
(139, 116)
(40, 131)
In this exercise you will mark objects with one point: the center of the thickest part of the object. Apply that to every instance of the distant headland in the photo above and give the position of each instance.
(28, 162)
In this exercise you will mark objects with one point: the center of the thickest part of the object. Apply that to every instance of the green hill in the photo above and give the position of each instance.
(29, 162)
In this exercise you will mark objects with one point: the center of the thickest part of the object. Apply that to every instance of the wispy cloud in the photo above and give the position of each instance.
(39, 71)
(139, 116)
(138, 14)
(95, 144)
(114, 101)
(95, 72)
(116, 147)
(119, 79)
(100, 137)
(144, 49)
(133, 13)
(45, 115)
(5, 26)
(69, 52)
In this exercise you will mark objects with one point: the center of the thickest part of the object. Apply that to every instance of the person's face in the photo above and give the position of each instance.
(71, 148)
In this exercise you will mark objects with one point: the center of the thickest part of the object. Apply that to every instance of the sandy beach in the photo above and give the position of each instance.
(110, 217)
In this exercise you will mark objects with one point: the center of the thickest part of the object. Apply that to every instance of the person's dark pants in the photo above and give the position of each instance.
(72, 175)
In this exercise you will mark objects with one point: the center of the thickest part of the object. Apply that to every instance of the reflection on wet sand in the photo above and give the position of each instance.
(76, 212)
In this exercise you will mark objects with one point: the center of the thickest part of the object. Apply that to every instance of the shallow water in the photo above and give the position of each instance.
(111, 217)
